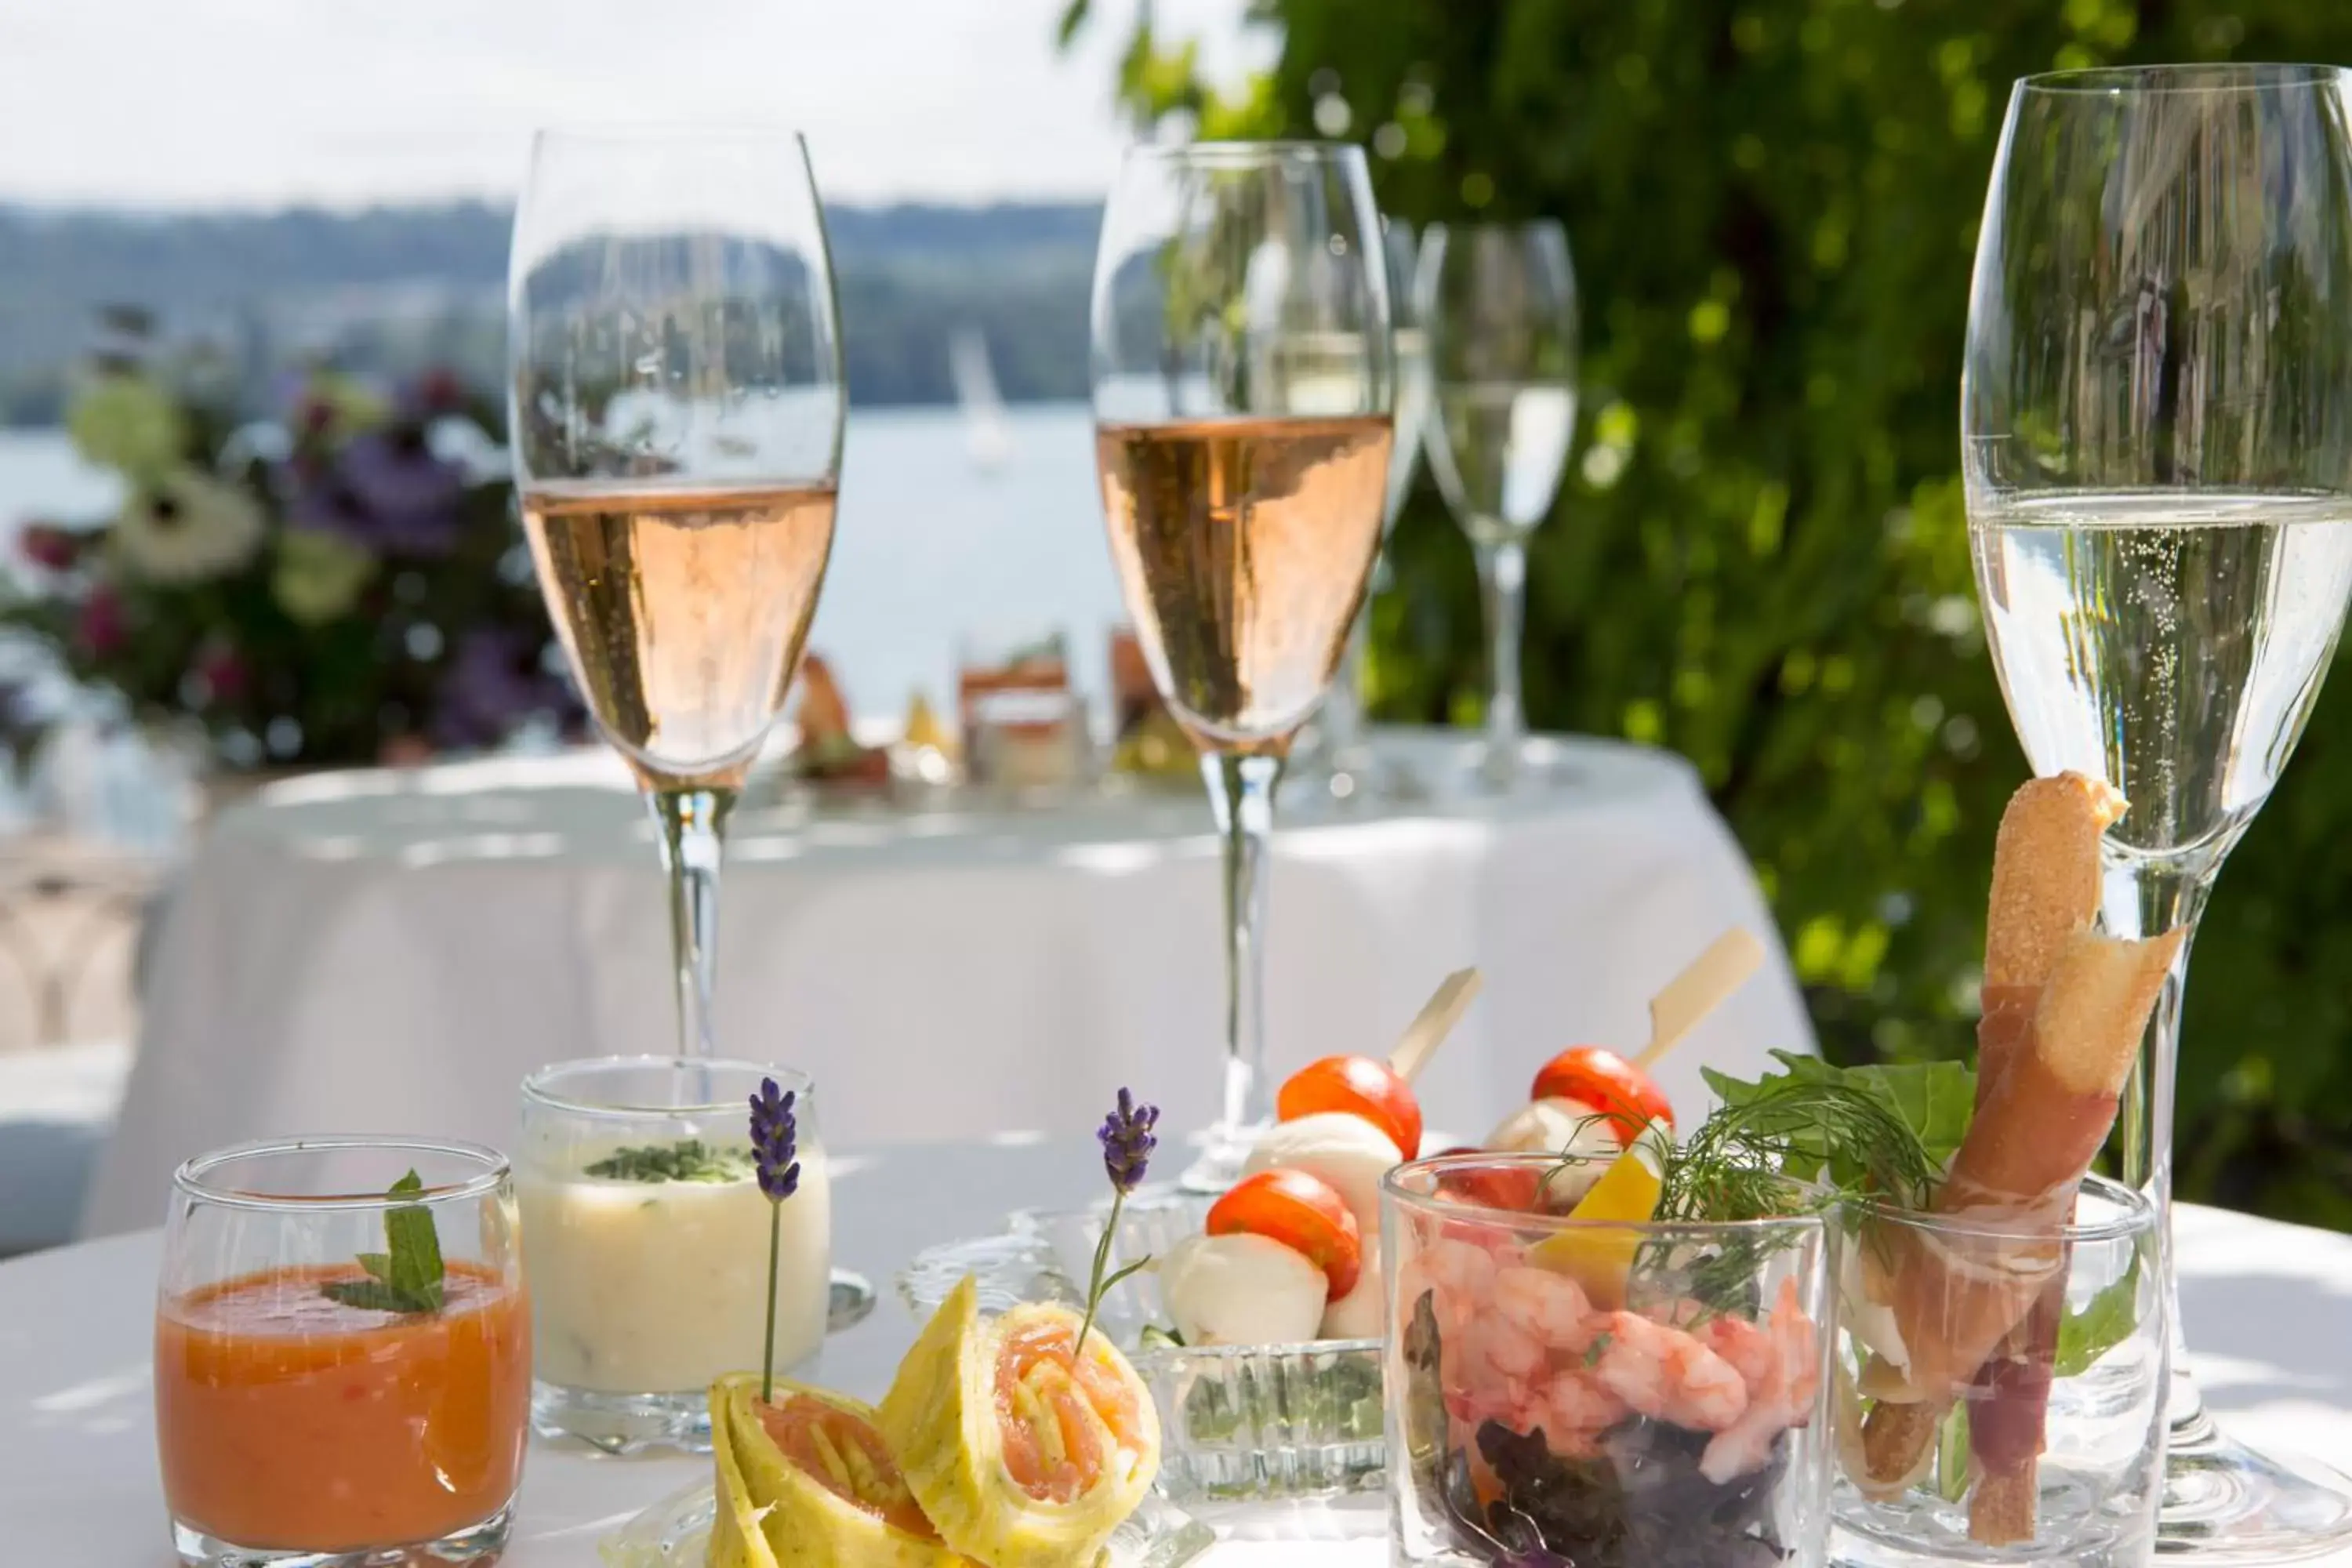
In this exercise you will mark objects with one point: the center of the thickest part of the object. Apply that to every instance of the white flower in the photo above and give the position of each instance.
(128, 423)
(186, 526)
(318, 574)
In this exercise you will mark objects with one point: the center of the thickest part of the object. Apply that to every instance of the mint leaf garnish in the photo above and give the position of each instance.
(407, 1276)
(690, 1159)
(2106, 1322)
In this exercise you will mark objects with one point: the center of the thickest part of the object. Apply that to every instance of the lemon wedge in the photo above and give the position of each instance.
(1600, 1260)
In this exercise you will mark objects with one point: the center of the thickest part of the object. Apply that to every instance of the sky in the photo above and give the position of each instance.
(345, 103)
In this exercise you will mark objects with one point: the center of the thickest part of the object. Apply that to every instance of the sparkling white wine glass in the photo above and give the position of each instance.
(1498, 304)
(676, 404)
(2157, 421)
(1243, 380)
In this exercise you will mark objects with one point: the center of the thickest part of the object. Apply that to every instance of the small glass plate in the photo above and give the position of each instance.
(675, 1533)
(1237, 1422)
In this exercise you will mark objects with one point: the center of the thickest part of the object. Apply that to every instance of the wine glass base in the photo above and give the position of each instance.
(2225, 1502)
(1222, 1151)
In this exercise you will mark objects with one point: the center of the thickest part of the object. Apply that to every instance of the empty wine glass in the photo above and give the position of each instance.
(1498, 304)
(1244, 379)
(2157, 424)
(676, 404)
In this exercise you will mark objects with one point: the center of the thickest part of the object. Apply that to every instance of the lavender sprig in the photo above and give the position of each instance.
(1127, 1143)
(775, 1139)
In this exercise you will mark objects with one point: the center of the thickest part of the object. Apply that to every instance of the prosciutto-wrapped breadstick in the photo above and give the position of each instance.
(2046, 893)
(2045, 888)
(2034, 1136)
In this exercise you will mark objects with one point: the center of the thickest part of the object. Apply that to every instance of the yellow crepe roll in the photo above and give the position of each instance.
(806, 1482)
(1023, 1454)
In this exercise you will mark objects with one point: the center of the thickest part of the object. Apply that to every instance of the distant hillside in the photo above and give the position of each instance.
(395, 288)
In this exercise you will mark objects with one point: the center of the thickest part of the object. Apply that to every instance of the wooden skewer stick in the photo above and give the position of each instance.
(1434, 1022)
(1699, 990)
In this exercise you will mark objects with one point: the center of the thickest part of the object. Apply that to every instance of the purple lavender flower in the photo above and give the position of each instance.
(774, 1139)
(1127, 1142)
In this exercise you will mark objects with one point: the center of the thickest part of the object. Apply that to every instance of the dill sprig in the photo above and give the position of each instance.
(1794, 1145)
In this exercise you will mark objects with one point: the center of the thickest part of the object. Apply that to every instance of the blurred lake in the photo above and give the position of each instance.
(933, 553)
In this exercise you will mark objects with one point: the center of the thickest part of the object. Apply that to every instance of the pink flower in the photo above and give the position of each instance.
(104, 629)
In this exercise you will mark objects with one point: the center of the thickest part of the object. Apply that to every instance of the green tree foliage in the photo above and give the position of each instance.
(1760, 558)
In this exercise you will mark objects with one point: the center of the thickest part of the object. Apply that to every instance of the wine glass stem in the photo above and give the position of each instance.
(1241, 793)
(2144, 897)
(690, 822)
(1502, 586)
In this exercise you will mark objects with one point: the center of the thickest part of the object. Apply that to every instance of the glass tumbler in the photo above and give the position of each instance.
(1608, 1395)
(342, 1355)
(647, 1237)
(2001, 1384)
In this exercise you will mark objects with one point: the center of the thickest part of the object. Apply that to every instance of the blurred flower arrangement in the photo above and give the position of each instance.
(342, 586)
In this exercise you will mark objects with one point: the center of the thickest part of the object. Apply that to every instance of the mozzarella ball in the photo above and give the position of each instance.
(1568, 1128)
(1242, 1290)
(1343, 1149)
(1362, 1312)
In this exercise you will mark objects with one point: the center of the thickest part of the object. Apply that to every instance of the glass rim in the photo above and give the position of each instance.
(1242, 152)
(189, 1179)
(657, 132)
(539, 1086)
(2138, 1217)
(1393, 1186)
(2226, 76)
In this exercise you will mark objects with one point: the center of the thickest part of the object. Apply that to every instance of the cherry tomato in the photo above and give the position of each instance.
(1304, 1213)
(1606, 1082)
(1363, 1086)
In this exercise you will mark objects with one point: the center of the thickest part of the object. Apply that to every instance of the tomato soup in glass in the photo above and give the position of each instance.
(342, 1352)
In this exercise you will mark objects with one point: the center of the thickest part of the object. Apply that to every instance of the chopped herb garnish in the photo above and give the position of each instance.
(406, 1276)
(690, 1159)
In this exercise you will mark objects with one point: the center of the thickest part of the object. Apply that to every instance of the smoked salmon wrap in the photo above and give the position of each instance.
(1025, 1449)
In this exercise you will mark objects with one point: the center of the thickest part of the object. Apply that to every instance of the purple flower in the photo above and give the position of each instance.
(384, 490)
(774, 1141)
(495, 680)
(1128, 1141)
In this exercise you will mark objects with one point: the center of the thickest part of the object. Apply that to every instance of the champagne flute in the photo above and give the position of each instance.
(677, 403)
(2157, 424)
(1499, 303)
(1347, 770)
(1244, 379)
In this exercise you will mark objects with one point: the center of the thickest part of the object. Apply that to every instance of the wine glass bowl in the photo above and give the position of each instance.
(676, 402)
(2157, 450)
(1243, 382)
(1498, 305)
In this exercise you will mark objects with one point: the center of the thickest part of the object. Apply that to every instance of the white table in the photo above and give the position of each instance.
(395, 951)
(78, 1489)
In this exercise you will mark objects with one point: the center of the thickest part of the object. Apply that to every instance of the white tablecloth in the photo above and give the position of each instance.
(394, 951)
(2266, 1303)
